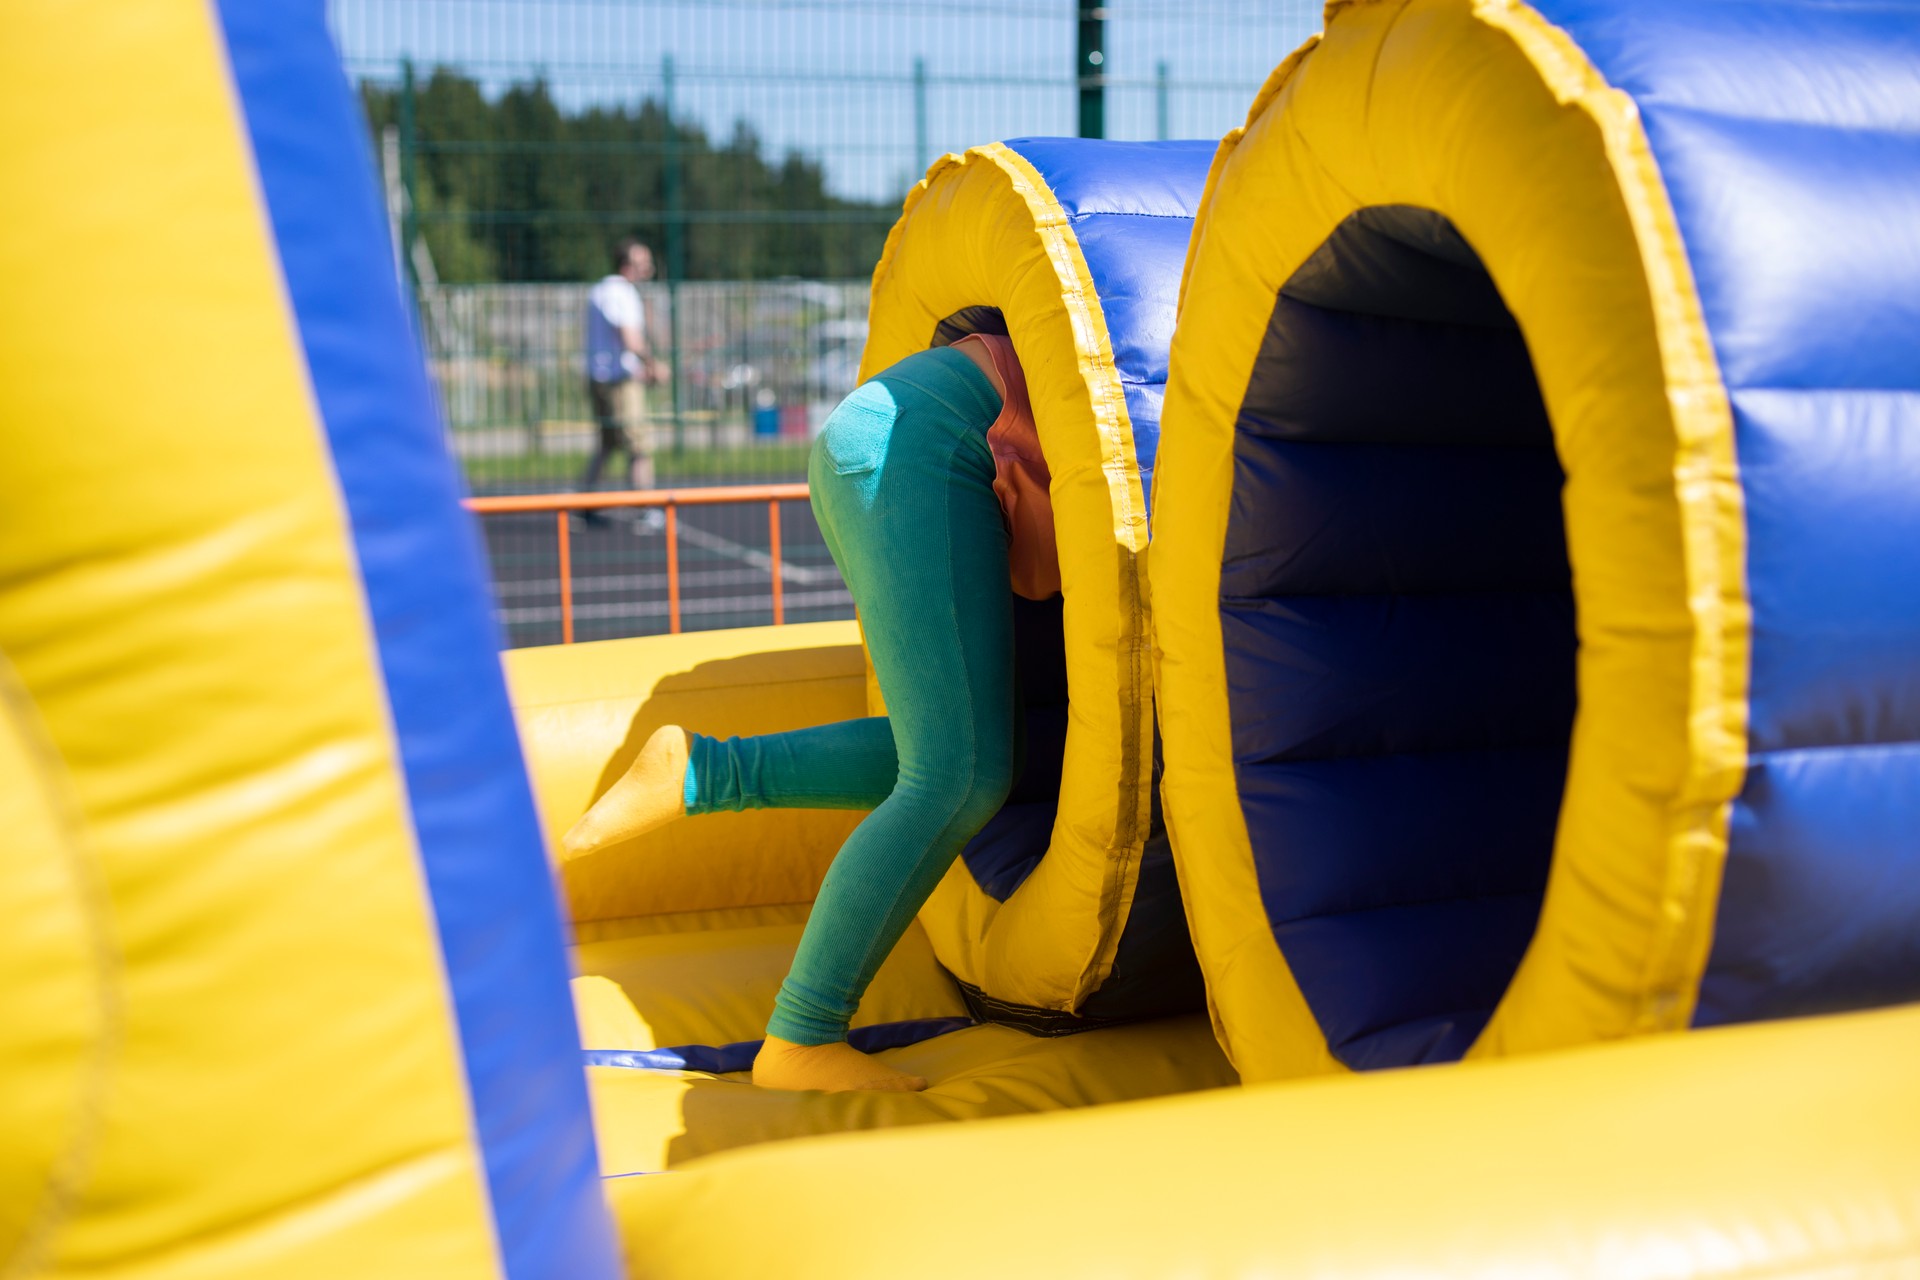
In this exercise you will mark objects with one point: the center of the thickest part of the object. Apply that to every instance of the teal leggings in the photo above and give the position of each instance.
(902, 485)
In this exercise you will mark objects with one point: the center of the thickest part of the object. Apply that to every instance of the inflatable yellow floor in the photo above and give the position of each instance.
(683, 936)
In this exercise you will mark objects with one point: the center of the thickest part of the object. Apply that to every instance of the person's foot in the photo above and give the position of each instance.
(652, 793)
(592, 518)
(835, 1068)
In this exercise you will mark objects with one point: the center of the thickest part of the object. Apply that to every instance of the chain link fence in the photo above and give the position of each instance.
(761, 148)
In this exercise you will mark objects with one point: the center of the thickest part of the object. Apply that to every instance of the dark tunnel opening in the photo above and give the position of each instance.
(1398, 623)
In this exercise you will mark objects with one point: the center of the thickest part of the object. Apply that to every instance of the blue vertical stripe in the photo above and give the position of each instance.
(473, 815)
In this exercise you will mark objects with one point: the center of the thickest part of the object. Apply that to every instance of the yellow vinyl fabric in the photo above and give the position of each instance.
(62, 999)
(584, 711)
(236, 1054)
(984, 230)
(653, 1121)
(1781, 1149)
(682, 937)
(716, 986)
(1482, 112)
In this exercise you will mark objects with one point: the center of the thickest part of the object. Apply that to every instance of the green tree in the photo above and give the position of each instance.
(517, 189)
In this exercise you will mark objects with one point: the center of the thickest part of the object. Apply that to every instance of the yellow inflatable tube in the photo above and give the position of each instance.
(1774, 1150)
(1073, 249)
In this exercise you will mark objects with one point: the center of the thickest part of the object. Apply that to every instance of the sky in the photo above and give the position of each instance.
(836, 79)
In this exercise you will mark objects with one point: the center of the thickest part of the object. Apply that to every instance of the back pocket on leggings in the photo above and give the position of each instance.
(855, 437)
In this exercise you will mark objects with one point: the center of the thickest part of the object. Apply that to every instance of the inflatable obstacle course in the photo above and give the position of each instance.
(1539, 663)
(290, 996)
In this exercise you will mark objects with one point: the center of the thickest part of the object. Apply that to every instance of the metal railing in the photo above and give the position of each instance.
(565, 504)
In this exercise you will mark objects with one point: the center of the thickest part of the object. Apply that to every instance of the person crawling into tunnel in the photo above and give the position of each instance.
(932, 495)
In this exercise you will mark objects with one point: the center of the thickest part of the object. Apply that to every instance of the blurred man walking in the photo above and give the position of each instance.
(620, 365)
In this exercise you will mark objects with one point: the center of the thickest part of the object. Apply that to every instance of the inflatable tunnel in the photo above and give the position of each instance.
(1538, 567)
(1064, 911)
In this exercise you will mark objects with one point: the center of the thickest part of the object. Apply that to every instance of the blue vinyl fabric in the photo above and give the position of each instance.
(1130, 206)
(1788, 137)
(1398, 630)
(738, 1056)
(482, 854)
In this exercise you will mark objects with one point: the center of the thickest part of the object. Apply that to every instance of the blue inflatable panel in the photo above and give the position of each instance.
(1318, 676)
(1834, 567)
(727, 1058)
(1788, 136)
(481, 850)
(1361, 520)
(1369, 1025)
(1386, 829)
(1822, 886)
(1002, 854)
(1131, 207)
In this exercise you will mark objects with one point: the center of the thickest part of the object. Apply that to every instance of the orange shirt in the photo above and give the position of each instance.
(1020, 478)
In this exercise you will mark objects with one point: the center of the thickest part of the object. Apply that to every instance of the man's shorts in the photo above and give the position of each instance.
(620, 411)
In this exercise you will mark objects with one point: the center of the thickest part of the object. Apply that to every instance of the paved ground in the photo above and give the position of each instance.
(620, 572)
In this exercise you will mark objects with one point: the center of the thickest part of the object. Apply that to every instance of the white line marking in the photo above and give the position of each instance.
(740, 551)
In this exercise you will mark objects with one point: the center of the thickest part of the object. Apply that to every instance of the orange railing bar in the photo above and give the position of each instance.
(715, 496)
(673, 570)
(566, 578)
(563, 503)
(773, 554)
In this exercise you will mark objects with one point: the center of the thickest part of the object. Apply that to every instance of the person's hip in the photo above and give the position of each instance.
(619, 404)
(920, 423)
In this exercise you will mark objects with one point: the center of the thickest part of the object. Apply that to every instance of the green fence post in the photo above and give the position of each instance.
(920, 158)
(409, 212)
(1089, 68)
(1160, 101)
(676, 251)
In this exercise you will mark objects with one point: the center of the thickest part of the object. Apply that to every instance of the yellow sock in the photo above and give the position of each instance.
(834, 1068)
(652, 793)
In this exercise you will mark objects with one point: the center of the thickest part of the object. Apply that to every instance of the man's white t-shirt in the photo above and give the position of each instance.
(613, 305)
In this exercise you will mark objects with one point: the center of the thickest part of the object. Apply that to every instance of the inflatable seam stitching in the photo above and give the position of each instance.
(68, 1175)
(1078, 214)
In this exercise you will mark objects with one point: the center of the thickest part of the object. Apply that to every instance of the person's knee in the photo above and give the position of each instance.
(983, 794)
(962, 797)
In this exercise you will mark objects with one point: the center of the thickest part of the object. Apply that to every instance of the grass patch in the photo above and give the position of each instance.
(559, 472)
